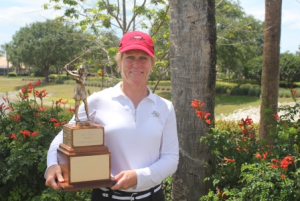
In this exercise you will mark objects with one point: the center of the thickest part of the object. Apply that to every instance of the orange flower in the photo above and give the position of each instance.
(54, 120)
(37, 83)
(65, 102)
(286, 162)
(25, 132)
(41, 109)
(41, 94)
(282, 176)
(34, 133)
(273, 166)
(265, 155)
(258, 155)
(16, 117)
(276, 116)
(56, 125)
(228, 160)
(207, 121)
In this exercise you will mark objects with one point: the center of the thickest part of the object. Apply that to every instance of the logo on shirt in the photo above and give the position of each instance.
(155, 114)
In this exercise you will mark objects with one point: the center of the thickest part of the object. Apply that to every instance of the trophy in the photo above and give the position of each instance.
(83, 157)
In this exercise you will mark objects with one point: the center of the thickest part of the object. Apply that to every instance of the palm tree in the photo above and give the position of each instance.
(270, 71)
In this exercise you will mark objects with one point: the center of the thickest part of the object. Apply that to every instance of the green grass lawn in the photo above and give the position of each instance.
(224, 104)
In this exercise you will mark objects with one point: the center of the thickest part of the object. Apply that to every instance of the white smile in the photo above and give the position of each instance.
(136, 73)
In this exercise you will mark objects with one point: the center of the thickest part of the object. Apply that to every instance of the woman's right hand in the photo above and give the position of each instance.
(53, 176)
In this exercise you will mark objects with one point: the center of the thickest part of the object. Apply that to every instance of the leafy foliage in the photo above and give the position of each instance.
(239, 36)
(27, 130)
(289, 68)
(44, 44)
(250, 169)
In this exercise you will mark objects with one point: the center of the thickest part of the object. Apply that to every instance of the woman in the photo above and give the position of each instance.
(140, 128)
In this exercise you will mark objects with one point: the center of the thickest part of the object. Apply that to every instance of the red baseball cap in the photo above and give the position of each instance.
(136, 40)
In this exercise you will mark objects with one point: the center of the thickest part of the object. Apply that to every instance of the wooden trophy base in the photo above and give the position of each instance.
(83, 158)
(67, 187)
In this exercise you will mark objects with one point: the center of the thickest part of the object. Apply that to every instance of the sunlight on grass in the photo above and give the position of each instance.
(224, 104)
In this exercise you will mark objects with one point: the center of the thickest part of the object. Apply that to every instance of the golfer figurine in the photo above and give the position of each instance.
(79, 92)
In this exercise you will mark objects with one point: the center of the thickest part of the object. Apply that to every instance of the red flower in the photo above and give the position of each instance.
(41, 94)
(286, 162)
(42, 109)
(228, 160)
(207, 121)
(54, 120)
(37, 83)
(16, 117)
(25, 132)
(294, 92)
(197, 105)
(265, 155)
(258, 155)
(276, 116)
(34, 133)
(56, 125)
(273, 166)
(100, 74)
(238, 149)
(59, 101)
(71, 110)
(220, 194)
(63, 123)
(206, 115)
(65, 102)
(13, 136)
(282, 176)
(4, 98)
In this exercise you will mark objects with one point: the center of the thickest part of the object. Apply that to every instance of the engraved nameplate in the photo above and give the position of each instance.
(87, 137)
(89, 168)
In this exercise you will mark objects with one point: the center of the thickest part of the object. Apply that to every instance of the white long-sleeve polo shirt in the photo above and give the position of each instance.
(142, 139)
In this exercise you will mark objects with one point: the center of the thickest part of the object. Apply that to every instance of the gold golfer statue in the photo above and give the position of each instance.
(79, 91)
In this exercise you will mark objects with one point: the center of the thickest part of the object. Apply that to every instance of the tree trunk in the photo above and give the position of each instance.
(46, 71)
(193, 75)
(270, 70)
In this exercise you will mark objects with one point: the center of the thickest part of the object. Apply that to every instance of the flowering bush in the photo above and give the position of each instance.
(249, 169)
(26, 131)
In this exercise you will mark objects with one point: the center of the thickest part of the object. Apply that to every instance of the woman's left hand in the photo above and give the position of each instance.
(125, 180)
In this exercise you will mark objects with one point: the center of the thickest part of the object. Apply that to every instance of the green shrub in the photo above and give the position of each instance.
(26, 132)
(254, 92)
(239, 91)
(12, 74)
(251, 169)
(226, 85)
(221, 89)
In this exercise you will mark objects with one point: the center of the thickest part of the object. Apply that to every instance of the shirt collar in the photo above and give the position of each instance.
(118, 92)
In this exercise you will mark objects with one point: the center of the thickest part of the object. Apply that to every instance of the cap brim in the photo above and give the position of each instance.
(137, 47)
